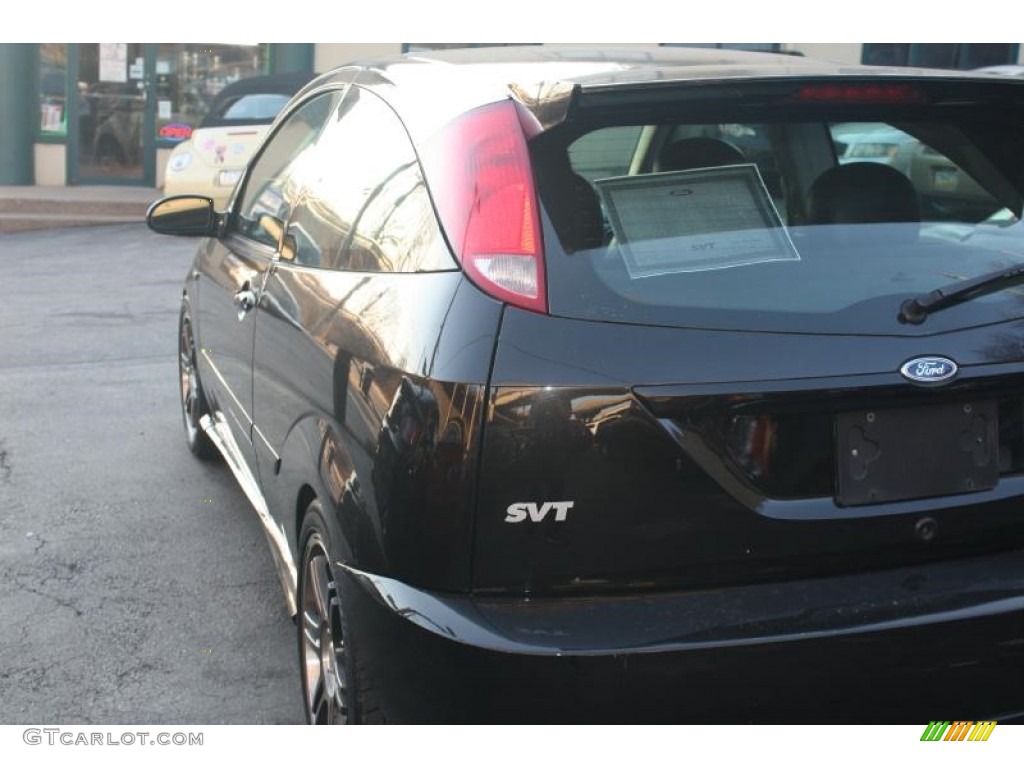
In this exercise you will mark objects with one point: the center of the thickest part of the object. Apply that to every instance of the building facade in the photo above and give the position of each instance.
(110, 113)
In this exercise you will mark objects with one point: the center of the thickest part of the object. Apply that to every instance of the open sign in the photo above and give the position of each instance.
(175, 131)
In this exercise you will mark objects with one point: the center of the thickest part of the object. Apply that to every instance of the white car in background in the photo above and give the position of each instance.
(943, 187)
(212, 159)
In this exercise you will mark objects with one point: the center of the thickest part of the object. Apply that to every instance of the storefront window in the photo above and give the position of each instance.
(413, 47)
(939, 55)
(976, 55)
(111, 111)
(53, 67)
(759, 47)
(189, 75)
(886, 54)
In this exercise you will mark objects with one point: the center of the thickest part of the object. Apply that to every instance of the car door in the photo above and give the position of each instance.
(236, 267)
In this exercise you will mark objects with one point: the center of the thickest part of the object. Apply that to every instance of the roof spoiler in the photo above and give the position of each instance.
(548, 102)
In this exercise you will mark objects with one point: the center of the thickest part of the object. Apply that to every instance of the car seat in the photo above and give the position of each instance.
(865, 193)
(697, 152)
(573, 205)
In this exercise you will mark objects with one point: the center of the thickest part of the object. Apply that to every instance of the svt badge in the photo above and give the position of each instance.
(929, 370)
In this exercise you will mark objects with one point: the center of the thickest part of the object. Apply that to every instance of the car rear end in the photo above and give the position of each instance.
(212, 162)
(723, 477)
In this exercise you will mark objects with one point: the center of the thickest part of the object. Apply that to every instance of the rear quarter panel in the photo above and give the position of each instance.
(370, 387)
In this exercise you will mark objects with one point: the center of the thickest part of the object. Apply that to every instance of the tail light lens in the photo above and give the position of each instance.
(479, 174)
(857, 93)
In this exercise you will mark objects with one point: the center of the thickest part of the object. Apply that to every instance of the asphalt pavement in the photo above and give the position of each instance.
(136, 585)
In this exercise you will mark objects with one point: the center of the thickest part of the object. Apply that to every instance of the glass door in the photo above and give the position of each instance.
(113, 143)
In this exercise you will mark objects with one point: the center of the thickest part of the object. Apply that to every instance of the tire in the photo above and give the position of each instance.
(335, 688)
(193, 403)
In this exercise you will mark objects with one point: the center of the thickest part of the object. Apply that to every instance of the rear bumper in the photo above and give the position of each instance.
(903, 646)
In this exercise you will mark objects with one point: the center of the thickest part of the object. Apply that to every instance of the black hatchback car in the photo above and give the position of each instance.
(591, 386)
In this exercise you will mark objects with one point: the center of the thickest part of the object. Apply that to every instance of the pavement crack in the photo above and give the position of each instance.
(39, 542)
(128, 675)
(59, 601)
(64, 573)
(97, 315)
(5, 464)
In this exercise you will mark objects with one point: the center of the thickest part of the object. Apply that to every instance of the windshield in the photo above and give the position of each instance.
(796, 223)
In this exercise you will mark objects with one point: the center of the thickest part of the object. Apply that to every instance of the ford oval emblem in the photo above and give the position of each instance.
(929, 370)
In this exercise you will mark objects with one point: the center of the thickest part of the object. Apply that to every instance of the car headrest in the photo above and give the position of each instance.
(575, 210)
(697, 152)
(864, 193)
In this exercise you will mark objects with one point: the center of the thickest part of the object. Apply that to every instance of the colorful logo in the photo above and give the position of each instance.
(175, 131)
(961, 730)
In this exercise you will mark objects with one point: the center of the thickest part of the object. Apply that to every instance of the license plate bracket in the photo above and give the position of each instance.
(914, 453)
(228, 178)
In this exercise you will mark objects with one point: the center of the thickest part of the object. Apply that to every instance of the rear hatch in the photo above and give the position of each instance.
(731, 382)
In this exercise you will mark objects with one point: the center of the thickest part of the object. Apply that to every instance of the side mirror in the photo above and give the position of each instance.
(189, 215)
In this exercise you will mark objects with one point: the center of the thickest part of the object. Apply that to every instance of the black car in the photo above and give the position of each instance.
(560, 398)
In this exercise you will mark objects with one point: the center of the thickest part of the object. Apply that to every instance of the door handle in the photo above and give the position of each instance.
(244, 301)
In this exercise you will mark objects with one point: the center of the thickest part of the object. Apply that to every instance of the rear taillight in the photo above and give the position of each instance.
(479, 174)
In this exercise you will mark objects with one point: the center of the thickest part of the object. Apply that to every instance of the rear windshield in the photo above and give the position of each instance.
(251, 108)
(809, 218)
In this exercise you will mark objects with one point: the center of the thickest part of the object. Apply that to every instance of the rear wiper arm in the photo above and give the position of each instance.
(916, 310)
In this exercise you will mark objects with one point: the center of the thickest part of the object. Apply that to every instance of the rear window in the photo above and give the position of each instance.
(254, 108)
(800, 220)
(605, 152)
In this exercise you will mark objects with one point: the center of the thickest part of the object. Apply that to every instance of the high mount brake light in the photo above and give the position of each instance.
(481, 180)
(861, 93)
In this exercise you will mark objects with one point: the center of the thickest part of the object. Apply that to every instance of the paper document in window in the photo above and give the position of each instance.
(113, 62)
(696, 220)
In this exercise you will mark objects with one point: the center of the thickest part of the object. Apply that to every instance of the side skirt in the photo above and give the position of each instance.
(220, 435)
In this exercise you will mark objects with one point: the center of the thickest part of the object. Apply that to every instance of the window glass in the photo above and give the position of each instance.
(605, 152)
(885, 54)
(369, 210)
(280, 171)
(775, 225)
(939, 55)
(255, 107)
(767, 47)
(974, 55)
(413, 47)
(945, 191)
(751, 142)
(189, 75)
(111, 111)
(760, 47)
(53, 70)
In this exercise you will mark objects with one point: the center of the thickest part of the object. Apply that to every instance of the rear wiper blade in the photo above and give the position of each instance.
(915, 311)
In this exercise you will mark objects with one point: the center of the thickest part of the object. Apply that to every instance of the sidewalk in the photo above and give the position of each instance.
(31, 208)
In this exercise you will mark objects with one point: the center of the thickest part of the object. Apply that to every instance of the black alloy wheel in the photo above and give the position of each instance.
(193, 404)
